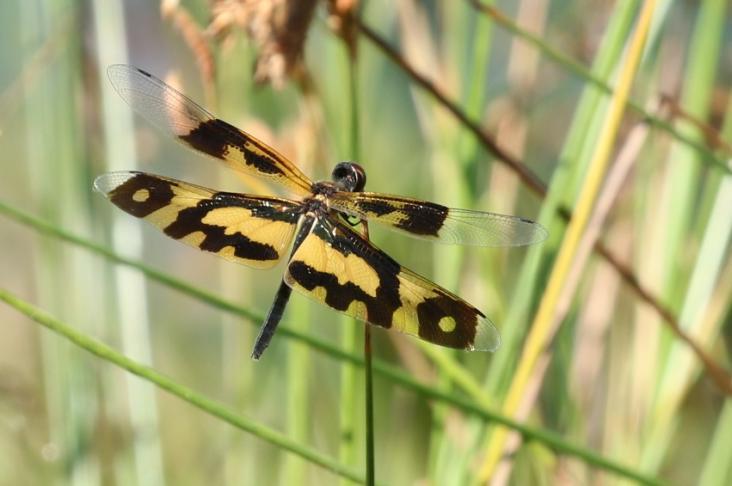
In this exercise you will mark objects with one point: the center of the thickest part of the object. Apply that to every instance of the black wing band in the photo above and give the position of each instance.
(337, 267)
(435, 222)
(252, 230)
(173, 112)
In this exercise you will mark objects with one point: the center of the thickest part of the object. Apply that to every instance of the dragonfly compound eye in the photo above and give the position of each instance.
(349, 176)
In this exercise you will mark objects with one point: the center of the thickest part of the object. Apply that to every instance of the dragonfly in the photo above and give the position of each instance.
(328, 258)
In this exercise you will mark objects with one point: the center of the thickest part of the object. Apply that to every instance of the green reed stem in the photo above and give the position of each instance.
(549, 439)
(349, 339)
(189, 395)
(368, 370)
(368, 383)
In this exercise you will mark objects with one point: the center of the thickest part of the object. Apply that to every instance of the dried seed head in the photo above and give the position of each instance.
(340, 19)
(278, 29)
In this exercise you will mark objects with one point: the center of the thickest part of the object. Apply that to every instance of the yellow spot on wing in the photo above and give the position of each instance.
(141, 195)
(447, 324)
(235, 154)
(277, 234)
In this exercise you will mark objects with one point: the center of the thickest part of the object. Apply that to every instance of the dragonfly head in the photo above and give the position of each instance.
(349, 176)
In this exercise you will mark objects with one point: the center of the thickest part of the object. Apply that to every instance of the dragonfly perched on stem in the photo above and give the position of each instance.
(328, 260)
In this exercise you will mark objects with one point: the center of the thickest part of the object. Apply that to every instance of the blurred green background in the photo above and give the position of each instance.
(613, 383)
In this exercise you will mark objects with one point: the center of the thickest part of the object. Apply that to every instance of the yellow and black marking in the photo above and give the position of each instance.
(247, 229)
(432, 221)
(337, 267)
(221, 140)
(329, 262)
(421, 218)
(196, 127)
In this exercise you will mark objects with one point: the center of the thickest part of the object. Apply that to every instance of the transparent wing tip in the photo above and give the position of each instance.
(119, 71)
(523, 232)
(114, 69)
(106, 183)
(537, 234)
(118, 74)
(487, 337)
(131, 82)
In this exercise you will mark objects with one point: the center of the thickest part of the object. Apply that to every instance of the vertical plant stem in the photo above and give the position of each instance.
(717, 468)
(299, 369)
(583, 132)
(299, 366)
(368, 382)
(679, 206)
(355, 139)
(540, 333)
(128, 289)
(240, 376)
(58, 187)
(680, 370)
(349, 385)
(348, 395)
(368, 377)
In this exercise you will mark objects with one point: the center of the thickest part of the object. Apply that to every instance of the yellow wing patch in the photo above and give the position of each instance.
(338, 268)
(350, 268)
(243, 221)
(255, 231)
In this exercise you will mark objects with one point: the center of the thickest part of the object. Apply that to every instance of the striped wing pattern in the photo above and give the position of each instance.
(194, 126)
(330, 262)
(427, 220)
(337, 267)
(252, 230)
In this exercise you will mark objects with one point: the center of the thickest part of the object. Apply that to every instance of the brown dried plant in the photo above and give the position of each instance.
(278, 29)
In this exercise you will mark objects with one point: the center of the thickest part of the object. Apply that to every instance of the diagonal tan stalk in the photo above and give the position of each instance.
(540, 334)
(720, 376)
(617, 177)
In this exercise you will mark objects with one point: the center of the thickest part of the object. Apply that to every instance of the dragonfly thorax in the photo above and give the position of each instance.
(317, 204)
